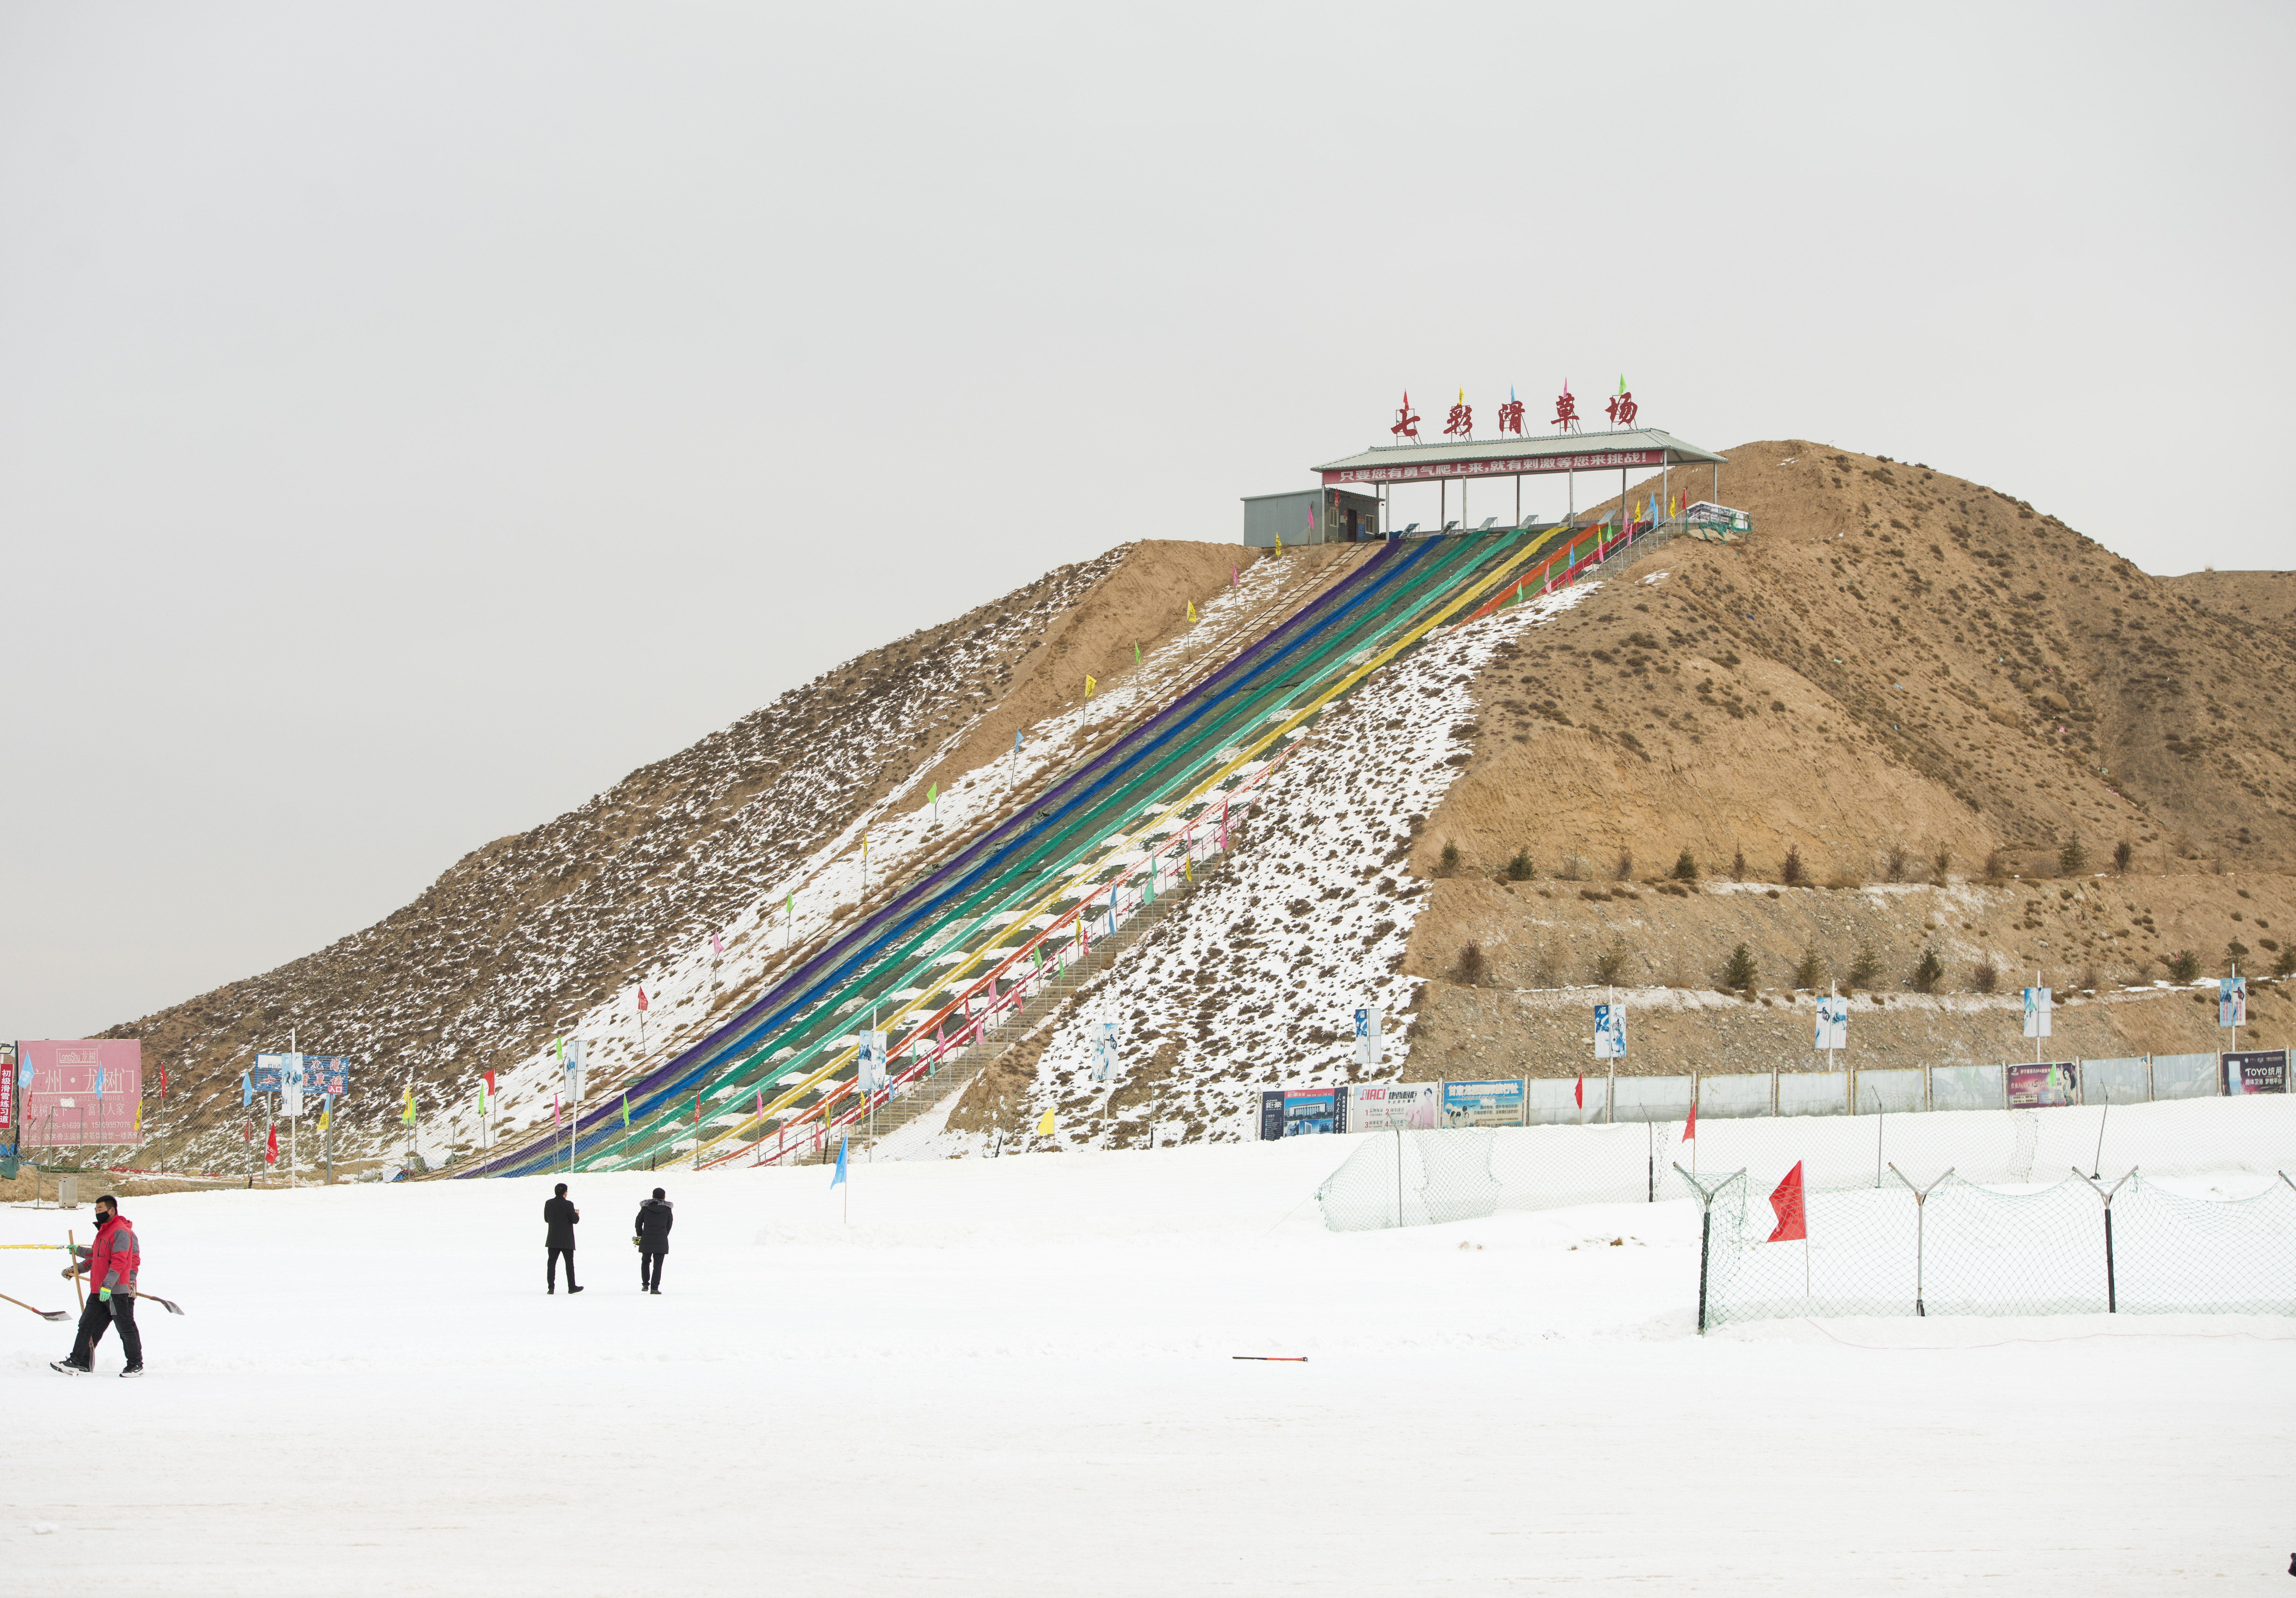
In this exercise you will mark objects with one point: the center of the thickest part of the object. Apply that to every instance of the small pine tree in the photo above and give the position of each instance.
(1810, 971)
(2235, 953)
(2184, 965)
(1865, 968)
(2072, 859)
(1519, 869)
(1789, 870)
(1738, 972)
(1938, 862)
(2286, 966)
(1738, 866)
(2120, 854)
(1449, 862)
(1686, 869)
(1929, 972)
(1471, 969)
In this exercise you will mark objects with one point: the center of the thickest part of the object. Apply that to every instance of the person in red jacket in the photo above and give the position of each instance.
(109, 1267)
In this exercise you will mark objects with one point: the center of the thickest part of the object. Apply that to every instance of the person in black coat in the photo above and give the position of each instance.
(654, 1240)
(559, 1214)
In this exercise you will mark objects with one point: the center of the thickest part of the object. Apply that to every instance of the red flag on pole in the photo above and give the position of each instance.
(697, 1108)
(1579, 1093)
(489, 1076)
(1690, 1127)
(642, 1003)
(1786, 1199)
(271, 1146)
(163, 1083)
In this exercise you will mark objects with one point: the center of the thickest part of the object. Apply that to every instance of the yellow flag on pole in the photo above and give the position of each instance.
(1191, 612)
(407, 1109)
(1090, 683)
(1045, 1124)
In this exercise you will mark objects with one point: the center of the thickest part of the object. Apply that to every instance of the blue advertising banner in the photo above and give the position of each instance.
(327, 1075)
(1301, 1111)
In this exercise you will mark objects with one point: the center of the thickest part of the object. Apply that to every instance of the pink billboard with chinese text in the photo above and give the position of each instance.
(79, 1091)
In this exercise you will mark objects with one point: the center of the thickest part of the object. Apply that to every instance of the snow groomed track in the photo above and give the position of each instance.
(913, 960)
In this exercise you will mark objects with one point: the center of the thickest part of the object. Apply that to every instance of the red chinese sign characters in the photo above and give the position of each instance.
(1622, 407)
(1461, 421)
(1566, 410)
(1510, 416)
(1406, 425)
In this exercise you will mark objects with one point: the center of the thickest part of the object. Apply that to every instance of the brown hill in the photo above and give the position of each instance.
(1900, 677)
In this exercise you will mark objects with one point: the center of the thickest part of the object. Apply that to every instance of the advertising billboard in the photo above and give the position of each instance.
(1383, 1106)
(2255, 1071)
(2044, 1086)
(1303, 1111)
(1493, 1103)
(78, 1091)
(7, 1092)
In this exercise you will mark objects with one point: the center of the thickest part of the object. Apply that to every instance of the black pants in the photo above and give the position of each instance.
(649, 1269)
(555, 1250)
(98, 1314)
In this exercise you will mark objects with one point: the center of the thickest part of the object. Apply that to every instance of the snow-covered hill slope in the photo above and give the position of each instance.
(1254, 980)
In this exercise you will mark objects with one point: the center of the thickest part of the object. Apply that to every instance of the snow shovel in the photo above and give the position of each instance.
(169, 1305)
(46, 1315)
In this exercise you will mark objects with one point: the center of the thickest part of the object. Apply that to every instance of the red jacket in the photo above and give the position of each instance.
(113, 1261)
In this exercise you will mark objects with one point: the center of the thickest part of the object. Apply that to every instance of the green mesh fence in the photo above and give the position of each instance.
(1955, 1247)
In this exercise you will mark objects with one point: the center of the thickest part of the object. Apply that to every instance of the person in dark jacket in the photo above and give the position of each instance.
(109, 1267)
(653, 1242)
(559, 1214)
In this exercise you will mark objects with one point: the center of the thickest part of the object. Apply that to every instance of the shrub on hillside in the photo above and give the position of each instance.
(1449, 862)
(1519, 869)
(1810, 971)
(1896, 863)
(2072, 859)
(2120, 854)
(2184, 965)
(1738, 866)
(1864, 968)
(1738, 972)
(1470, 970)
(2235, 953)
(1573, 869)
(1625, 865)
(1686, 869)
(1984, 976)
(1789, 869)
(1610, 963)
(1928, 972)
(1995, 867)
(2286, 966)
(1938, 862)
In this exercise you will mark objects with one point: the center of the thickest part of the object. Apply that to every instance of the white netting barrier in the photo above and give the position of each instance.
(1415, 1178)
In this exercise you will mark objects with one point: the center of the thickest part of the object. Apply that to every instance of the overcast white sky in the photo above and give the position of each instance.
(414, 417)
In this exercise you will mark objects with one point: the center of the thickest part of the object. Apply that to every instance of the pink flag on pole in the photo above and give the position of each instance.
(553, 1109)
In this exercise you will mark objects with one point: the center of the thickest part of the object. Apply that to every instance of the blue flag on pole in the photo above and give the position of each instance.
(246, 1091)
(99, 1085)
(840, 1176)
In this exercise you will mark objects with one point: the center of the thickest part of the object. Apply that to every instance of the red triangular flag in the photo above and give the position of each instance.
(271, 1146)
(163, 1081)
(1786, 1199)
(489, 1076)
(642, 1003)
(1579, 1093)
(1690, 1127)
(697, 1110)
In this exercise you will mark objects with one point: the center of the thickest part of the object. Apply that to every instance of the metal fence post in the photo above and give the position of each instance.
(1920, 1237)
(2111, 1290)
(1705, 1238)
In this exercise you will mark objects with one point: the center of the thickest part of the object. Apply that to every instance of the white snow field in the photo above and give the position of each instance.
(1015, 1376)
